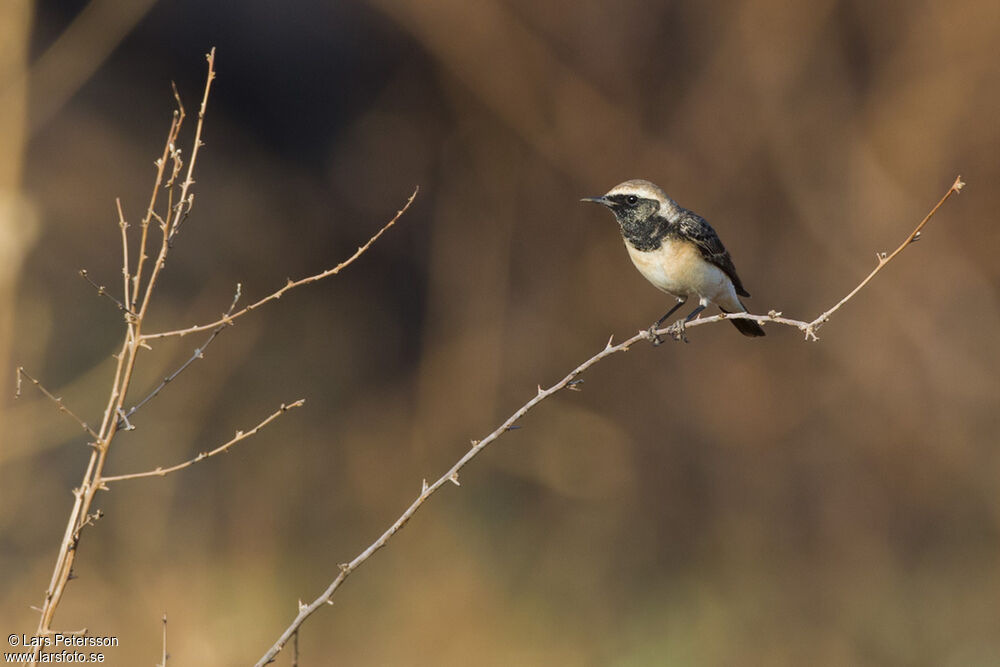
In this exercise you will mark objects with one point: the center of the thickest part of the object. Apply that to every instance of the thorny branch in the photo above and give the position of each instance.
(138, 288)
(103, 291)
(883, 259)
(21, 373)
(114, 418)
(199, 353)
(291, 284)
(123, 225)
(571, 381)
(240, 435)
(163, 655)
(169, 153)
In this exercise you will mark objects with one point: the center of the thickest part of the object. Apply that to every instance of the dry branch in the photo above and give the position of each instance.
(291, 284)
(163, 654)
(21, 373)
(103, 291)
(572, 381)
(175, 199)
(240, 435)
(199, 353)
(114, 415)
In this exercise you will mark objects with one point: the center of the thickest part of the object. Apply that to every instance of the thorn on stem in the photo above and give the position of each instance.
(453, 478)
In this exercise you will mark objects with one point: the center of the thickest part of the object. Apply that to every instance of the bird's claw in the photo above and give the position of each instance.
(677, 331)
(654, 337)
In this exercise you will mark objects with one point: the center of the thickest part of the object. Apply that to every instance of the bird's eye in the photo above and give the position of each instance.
(632, 200)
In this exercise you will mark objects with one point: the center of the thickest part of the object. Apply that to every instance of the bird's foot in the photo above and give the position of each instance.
(677, 331)
(654, 337)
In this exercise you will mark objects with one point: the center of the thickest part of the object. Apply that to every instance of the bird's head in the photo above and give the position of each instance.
(636, 201)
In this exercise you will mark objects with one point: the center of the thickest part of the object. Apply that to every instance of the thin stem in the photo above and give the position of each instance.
(239, 437)
(125, 275)
(161, 164)
(21, 373)
(291, 284)
(89, 486)
(103, 291)
(187, 201)
(199, 353)
(883, 259)
(163, 658)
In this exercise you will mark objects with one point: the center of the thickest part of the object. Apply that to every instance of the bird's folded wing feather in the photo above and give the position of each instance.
(694, 227)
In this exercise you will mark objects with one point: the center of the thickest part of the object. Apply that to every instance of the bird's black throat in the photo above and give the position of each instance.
(639, 218)
(645, 233)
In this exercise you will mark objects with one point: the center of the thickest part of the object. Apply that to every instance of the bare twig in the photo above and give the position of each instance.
(161, 163)
(291, 284)
(91, 483)
(55, 399)
(199, 353)
(125, 275)
(240, 436)
(571, 380)
(955, 188)
(187, 201)
(103, 291)
(163, 658)
(176, 199)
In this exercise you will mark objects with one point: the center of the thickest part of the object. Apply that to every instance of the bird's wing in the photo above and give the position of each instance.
(694, 227)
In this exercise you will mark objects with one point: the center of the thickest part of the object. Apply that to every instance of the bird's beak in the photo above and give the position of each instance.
(598, 200)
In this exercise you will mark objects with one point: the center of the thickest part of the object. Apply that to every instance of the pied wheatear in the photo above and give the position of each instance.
(678, 251)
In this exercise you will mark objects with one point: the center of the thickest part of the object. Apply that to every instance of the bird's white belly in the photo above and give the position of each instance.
(679, 269)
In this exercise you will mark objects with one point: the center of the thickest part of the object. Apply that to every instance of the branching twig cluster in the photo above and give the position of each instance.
(170, 204)
(571, 381)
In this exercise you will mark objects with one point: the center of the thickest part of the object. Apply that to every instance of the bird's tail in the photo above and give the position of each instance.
(747, 327)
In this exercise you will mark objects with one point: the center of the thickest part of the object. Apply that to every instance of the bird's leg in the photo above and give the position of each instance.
(656, 325)
(677, 328)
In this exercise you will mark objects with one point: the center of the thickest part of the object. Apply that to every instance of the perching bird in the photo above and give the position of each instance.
(678, 251)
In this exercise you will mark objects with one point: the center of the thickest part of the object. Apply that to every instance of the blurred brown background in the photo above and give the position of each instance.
(731, 501)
